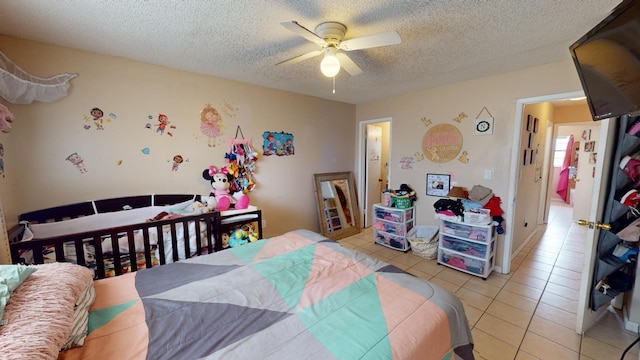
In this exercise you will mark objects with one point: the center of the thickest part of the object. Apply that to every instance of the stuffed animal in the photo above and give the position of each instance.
(220, 183)
(237, 238)
(240, 237)
(225, 240)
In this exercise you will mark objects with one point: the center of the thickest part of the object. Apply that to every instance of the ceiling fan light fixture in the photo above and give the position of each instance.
(330, 65)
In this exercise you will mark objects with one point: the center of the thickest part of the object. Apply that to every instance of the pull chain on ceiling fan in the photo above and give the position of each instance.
(329, 36)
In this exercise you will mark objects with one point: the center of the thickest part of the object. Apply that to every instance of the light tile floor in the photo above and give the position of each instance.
(531, 312)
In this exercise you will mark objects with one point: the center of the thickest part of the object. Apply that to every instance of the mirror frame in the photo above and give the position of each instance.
(355, 209)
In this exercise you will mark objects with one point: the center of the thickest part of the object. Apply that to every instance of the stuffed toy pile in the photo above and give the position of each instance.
(220, 195)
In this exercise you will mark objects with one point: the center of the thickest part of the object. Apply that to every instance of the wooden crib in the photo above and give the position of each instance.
(115, 250)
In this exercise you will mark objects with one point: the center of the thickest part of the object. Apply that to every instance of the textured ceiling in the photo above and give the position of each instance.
(443, 41)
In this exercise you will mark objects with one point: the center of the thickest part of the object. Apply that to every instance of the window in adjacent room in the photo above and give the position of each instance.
(560, 148)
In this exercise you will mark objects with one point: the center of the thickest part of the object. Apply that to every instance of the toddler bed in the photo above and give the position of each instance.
(294, 296)
(115, 236)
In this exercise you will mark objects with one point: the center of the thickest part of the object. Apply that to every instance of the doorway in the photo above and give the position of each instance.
(374, 152)
(521, 218)
(582, 160)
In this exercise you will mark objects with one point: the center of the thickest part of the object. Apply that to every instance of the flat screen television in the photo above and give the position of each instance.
(608, 62)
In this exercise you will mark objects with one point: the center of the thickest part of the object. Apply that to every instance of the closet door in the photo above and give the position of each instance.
(611, 268)
(599, 213)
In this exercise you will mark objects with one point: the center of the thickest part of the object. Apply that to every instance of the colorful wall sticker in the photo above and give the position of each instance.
(275, 143)
(407, 162)
(163, 122)
(425, 121)
(78, 162)
(460, 116)
(442, 143)
(97, 118)
(162, 125)
(211, 123)
(464, 158)
(176, 161)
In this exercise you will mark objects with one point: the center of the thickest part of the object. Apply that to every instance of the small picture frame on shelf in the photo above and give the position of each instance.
(438, 184)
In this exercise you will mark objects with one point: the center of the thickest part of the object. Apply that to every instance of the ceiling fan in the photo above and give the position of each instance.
(330, 36)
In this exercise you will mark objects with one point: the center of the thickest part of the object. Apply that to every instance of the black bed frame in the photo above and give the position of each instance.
(212, 221)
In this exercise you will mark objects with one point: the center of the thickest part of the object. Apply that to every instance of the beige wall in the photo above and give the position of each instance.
(571, 114)
(529, 176)
(44, 134)
(499, 95)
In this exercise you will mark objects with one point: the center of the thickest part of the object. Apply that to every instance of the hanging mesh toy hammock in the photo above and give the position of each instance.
(19, 87)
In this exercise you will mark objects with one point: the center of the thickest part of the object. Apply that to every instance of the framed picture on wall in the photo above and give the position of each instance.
(532, 156)
(535, 125)
(438, 184)
(529, 123)
(589, 146)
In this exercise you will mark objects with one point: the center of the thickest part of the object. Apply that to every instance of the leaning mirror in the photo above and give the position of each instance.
(337, 204)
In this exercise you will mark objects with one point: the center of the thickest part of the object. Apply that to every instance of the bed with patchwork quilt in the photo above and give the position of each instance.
(294, 296)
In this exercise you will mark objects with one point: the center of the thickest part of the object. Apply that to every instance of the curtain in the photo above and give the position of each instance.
(563, 182)
(19, 87)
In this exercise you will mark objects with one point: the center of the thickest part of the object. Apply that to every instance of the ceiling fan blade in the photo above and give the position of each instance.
(371, 41)
(299, 58)
(298, 29)
(348, 65)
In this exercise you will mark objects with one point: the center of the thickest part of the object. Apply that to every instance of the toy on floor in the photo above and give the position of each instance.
(221, 198)
(241, 237)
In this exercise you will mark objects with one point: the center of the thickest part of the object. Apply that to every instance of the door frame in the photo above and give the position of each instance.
(362, 127)
(515, 168)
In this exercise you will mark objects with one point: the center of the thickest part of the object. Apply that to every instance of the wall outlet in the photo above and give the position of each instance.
(488, 174)
(264, 223)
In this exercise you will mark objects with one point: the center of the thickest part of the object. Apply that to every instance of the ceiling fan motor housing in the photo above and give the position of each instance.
(332, 32)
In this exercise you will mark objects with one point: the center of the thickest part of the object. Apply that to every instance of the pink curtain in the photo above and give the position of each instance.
(563, 181)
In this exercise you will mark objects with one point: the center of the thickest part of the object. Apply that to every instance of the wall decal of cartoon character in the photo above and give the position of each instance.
(163, 122)
(269, 147)
(97, 115)
(277, 143)
(288, 146)
(210, 124)
(177, 160)
(98, 118)
(78, 162)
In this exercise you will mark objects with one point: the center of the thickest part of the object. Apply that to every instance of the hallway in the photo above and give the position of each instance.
(531, 312)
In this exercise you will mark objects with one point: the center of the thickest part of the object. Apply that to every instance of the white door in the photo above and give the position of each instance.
(604, 145)
(587, 161)
(373, 170)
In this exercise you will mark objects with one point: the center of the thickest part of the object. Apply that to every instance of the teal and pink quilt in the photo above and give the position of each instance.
(294, 296)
